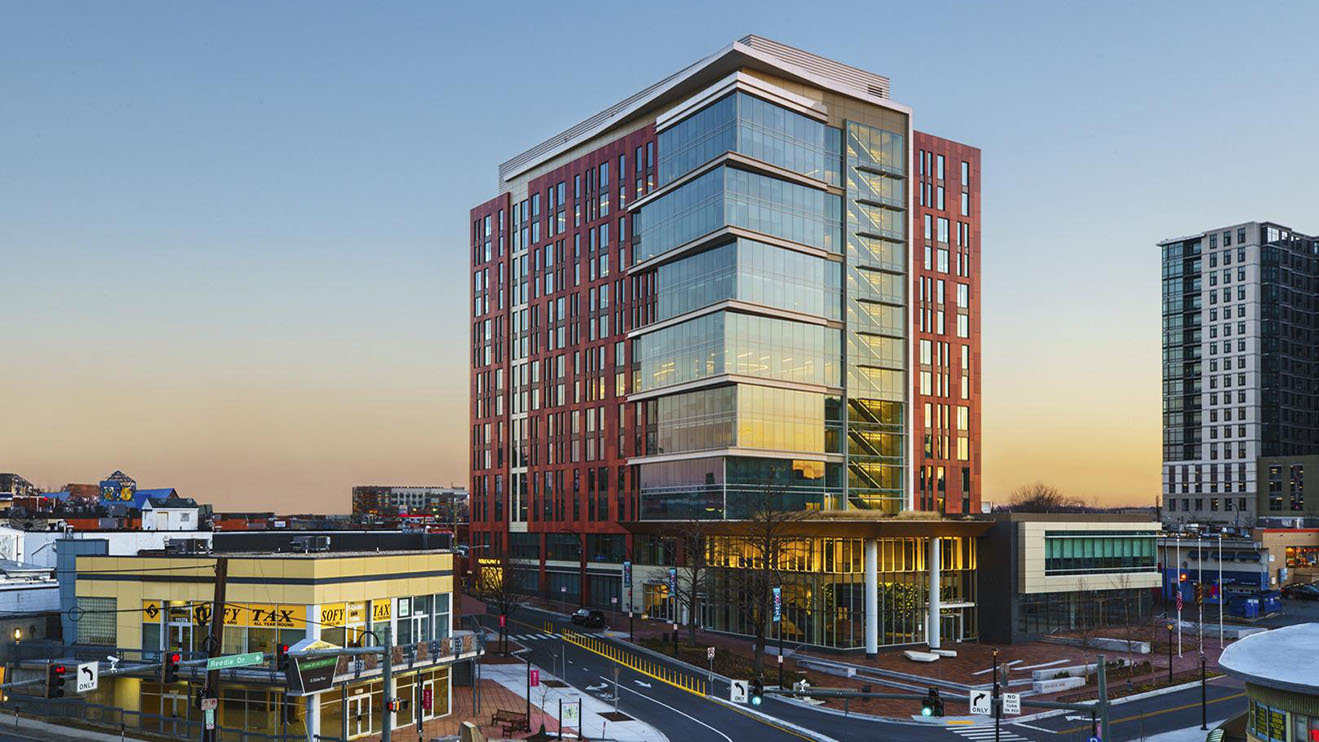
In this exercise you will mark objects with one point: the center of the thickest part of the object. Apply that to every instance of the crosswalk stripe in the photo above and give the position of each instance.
(987, 732)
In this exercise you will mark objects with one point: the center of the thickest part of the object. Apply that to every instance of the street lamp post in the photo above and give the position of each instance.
(1204, 706)
(994, 700)
(1169, 654)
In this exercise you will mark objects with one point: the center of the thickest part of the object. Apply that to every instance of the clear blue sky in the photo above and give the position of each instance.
(233, 235)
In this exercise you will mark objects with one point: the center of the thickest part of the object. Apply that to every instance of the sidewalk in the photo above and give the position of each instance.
(1189, 734)
(596, 714)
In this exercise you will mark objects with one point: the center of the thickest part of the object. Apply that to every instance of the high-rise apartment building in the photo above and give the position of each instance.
(725, 283)
(1240, 366)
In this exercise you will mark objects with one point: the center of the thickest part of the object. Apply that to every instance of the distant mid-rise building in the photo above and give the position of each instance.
(13, 485)
(1240, 368)
(388, 501)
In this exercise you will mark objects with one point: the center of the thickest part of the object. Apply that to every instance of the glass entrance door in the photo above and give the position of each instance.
(950, 625)
(359, 715)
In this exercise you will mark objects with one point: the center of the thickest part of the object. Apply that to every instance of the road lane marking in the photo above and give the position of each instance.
(1157, 713)
(676, 711)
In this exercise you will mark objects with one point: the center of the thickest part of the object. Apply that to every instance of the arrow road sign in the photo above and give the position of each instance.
(737, 692)
(980, 703)
(87, 677)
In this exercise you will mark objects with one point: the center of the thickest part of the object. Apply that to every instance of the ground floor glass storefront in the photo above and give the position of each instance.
(1082, 610)
(824, 592)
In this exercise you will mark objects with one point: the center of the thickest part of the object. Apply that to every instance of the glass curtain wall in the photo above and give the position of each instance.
(798, 424)
(876, 316)
(753, 272)
(824, 595)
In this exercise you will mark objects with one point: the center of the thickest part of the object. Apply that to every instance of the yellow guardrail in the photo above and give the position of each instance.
(648, 667)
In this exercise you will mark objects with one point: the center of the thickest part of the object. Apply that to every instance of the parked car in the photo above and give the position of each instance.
(589, 618)
(1301, 591)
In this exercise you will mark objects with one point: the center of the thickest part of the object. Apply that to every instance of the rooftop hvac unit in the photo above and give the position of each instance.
(187, 546)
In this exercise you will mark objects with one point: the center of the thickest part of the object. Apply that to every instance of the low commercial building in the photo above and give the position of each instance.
(1047, 573)
(140, 606)
(1282, 697)
(1293, 554)
(1224, 566)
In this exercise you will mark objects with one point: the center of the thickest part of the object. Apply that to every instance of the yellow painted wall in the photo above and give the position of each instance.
(289, 580)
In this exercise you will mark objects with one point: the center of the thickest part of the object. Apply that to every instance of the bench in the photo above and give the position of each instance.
(511, 721)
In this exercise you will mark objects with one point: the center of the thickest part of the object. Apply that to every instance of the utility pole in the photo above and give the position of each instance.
(387, 676)
(215, 643)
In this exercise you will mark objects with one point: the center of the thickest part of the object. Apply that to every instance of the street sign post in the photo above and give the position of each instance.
(980, 703)
(1012, 703)
(210, 704)
(234, 660)
(709, 653)
(87, 677)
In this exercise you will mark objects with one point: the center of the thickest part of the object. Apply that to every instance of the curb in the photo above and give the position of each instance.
(1118, 701)
(774, 720)
(34, 725)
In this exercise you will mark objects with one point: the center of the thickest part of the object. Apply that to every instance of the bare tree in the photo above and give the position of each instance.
(763, 547)
(693, 538)
(502, 587)
(1043, 498)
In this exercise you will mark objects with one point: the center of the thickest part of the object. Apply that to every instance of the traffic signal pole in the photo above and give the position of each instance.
(215, 642)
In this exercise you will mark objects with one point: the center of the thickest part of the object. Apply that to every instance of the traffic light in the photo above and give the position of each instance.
(756, 692)
(55, 673)
(282, 657)
(932, 704)
(1199, 594)
(169, 667)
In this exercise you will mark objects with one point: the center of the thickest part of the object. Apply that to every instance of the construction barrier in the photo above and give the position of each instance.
(650, 668)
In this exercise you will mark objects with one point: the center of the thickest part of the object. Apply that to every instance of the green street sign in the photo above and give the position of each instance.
(234, 660)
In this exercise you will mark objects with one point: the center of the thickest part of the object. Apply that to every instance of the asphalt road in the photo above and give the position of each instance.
(680, 715)
(684, 717)
(1134, 720)
(1139, 719)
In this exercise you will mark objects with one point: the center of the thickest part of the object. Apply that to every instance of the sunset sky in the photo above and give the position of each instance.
(233, 236)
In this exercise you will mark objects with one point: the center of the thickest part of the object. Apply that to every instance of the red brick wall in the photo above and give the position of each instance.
(936, 433)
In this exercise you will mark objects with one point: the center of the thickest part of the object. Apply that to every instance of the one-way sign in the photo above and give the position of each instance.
(980, 703)
(87, 677)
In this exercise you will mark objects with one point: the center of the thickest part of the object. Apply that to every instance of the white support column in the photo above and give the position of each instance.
(872, 597)
(933, 564)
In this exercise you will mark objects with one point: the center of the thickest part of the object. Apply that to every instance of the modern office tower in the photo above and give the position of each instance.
(1240, 366)
(708, 291)
(946, 325)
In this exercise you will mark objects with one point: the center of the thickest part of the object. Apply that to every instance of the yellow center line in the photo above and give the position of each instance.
(1156, 713)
